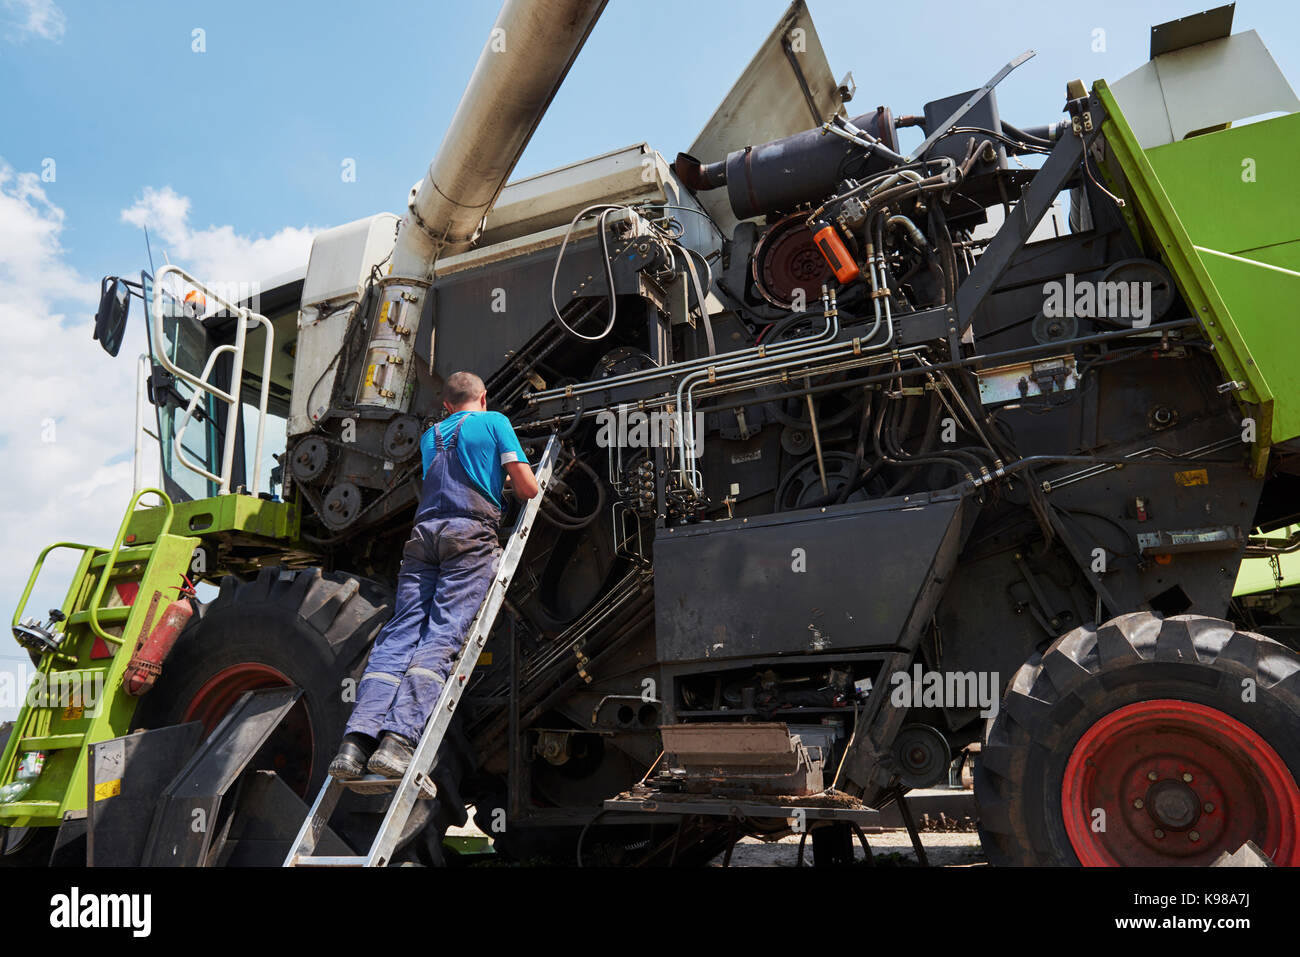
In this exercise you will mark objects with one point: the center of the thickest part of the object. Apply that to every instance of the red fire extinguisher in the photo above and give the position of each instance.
(152, 650)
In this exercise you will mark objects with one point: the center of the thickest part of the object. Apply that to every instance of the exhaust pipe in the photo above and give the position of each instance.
(527, 56)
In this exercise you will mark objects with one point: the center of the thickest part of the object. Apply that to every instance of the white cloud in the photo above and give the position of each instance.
(68, 405)
(216, 253)
(35, 18)
(67, 434)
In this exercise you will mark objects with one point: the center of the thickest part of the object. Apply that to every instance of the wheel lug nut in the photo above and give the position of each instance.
(1187, 777)
(1138, 803)
(1159, 833)
(1152, 776)
(1209, 808)
(1194, 835)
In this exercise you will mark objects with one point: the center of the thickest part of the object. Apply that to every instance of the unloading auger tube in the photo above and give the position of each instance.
(527, 56)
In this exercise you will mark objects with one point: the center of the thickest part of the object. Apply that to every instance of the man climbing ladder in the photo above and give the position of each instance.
(447, 566)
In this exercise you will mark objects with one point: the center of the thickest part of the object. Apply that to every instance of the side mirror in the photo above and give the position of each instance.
(110, 320)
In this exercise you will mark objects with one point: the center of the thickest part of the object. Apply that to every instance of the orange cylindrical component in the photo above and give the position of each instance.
(146, 663)
(835, 252)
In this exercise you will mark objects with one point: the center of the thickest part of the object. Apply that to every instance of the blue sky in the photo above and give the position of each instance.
(234, 154)
(254, 130)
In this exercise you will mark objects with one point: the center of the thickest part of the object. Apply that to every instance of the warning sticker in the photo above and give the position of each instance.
(73, 713)
(1192, 477)
(108, 789)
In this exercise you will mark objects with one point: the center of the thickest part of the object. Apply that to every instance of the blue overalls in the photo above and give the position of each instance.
(447, 565)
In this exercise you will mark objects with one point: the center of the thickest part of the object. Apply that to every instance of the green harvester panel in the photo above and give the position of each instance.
(224, 513)
(1226, 194)
(117, 595)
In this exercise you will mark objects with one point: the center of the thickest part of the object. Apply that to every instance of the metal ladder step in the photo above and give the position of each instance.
(106, 616)
(416, 783)
(330, 862)
(125, 556)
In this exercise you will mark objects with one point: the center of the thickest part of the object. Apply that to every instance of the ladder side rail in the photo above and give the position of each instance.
(416, 778)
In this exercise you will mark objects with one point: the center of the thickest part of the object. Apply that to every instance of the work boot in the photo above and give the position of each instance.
(350, 763)
(393, 756)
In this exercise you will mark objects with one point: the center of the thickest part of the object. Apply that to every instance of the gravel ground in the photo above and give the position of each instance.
(890, 848)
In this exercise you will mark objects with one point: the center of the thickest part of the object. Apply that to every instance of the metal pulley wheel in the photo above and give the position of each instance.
(402, 438)
(341, 506)
(1048, 329)
(1157, 289)
(796, 441)
(785, 260)
(922, 755)
(802, 485)
(309, 459)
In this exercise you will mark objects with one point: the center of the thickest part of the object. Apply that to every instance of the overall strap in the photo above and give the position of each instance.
(438, 443)
(450, 443)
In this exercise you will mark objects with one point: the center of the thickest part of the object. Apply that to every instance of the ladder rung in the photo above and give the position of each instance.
(330, 861)
(124, 556)
(51, 742)
(418, 784)
(371, 784)
(107, 616)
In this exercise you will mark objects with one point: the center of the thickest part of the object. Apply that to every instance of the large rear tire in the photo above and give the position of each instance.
(313, 629)
(1147, 741)
(287, 626)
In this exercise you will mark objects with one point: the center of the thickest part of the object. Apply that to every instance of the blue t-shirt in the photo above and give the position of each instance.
(486, 443)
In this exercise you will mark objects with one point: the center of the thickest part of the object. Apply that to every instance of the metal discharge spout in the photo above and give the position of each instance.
(526, 58)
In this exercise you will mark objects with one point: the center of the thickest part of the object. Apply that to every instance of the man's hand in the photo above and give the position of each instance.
(520, 480)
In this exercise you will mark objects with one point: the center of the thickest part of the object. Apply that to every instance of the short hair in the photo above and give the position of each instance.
(462, 387)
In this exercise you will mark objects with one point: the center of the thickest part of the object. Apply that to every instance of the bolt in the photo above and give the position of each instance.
(1194, 836)
(1159, 833)
(1139, 804)
(1187, 777)
(1209, 807)
(1152, 776)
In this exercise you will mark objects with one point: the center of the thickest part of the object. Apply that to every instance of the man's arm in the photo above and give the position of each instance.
(519, 474)
(523, 483)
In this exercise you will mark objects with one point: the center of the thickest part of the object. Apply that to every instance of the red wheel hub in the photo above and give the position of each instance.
(1175, 782)
(290, 749)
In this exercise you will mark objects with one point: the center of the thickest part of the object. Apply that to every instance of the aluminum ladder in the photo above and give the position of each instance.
(417, 783)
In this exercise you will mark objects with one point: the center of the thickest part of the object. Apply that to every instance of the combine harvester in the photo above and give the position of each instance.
(848, 480)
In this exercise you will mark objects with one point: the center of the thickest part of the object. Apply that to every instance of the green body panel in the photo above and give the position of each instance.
(1256, 575)
(62, 718)
(150, 554)
(1197, 192)
(278, 521)
(1222, 208)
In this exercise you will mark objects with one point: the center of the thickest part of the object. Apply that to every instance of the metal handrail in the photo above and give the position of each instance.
(36, 571)
(106, 573)
(111, 560)
(143, 368)
(201, 384)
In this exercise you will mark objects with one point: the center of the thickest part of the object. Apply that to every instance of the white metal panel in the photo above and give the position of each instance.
(1203, 86)
(341, 260)
(633, 174)
(766, 103)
